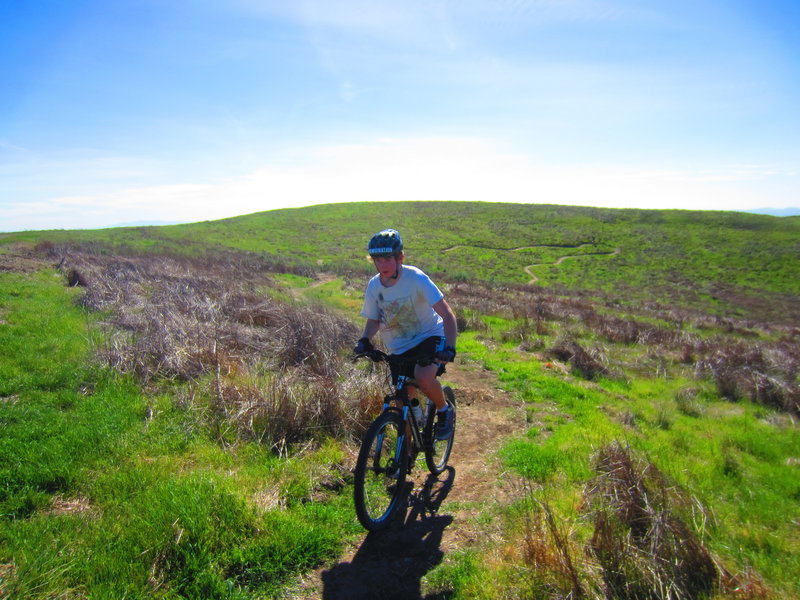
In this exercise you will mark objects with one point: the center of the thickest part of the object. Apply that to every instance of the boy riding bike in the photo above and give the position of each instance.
(413, 318)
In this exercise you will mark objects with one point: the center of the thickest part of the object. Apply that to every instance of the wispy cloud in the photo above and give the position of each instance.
(250, 104)
(397, 169)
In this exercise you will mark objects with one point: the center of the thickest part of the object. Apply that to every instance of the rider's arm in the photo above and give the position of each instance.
(371, 328)
(449, 318)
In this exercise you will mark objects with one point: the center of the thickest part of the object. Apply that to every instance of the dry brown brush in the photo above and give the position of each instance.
(744, 358)
(645, 547)
(549, 549)
(764, 372)
(586, 363)
(259, 368)
(646, 541)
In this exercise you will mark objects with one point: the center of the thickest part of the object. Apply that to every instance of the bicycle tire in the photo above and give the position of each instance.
(437, 452)
(380, 472)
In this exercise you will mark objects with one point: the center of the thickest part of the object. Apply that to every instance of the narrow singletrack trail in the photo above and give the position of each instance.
(534, 278)
(441, 512)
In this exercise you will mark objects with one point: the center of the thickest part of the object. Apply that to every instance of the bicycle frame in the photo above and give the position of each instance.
(401, 394)
(390, 447)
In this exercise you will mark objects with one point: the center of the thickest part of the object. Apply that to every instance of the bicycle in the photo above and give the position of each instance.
(385, 459)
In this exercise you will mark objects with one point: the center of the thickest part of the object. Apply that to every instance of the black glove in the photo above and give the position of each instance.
(364, 346)
(446, 355)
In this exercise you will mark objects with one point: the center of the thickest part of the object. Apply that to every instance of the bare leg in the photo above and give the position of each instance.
(429, 384)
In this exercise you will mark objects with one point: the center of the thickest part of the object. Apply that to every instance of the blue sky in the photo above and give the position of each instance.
(186, 110)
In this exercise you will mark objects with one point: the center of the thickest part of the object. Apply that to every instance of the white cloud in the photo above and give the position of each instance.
(405, 169)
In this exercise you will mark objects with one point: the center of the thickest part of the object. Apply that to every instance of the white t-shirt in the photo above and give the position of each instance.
(405, 309)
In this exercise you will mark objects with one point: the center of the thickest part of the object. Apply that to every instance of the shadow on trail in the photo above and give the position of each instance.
(390, 564)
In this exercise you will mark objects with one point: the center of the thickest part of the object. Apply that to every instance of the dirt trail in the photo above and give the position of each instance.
(534, 278)
(439, 519)
(528, 268)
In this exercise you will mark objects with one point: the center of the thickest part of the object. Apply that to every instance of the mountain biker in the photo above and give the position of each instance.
(413, 318)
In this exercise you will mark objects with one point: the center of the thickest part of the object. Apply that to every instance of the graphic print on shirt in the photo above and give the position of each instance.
(399, 317)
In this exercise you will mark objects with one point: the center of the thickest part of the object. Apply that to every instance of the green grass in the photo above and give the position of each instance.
(58, 411)
(334, 295)
(727, 263)
(97, 499)
(31, 359)
(738, 460)
(467, 575)
(108, 489)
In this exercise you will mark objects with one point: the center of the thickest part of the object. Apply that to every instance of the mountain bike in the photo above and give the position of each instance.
(391, 445)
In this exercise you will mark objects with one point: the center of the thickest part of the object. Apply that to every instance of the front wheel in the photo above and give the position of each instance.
(380, 473)
(437, 452)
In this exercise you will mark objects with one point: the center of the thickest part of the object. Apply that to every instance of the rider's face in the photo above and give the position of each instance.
(386, 265)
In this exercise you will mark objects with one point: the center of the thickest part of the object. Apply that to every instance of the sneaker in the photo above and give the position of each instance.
(444, 425)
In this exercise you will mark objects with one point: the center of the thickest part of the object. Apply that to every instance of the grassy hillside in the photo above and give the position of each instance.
(725, 263)
(179, 413)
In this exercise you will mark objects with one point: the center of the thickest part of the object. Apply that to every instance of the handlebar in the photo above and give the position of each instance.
(373, 355)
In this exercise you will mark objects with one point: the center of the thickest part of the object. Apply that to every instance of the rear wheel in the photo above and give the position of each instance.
(437, 452)
(380, 473)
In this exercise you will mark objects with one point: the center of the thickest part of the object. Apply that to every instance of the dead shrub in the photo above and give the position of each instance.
(462, 321)
(645, 549)
(745, 585)
(290, 407)
(478, 298)
(763, 373)
(686, 355)
(77, 279)
(534, 313)
(588, 364)
(181, 317)
(311, 339)
(209, 323)
(548, 549)
(253, 311)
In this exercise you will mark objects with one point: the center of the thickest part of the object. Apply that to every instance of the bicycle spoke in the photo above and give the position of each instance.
(380, 472)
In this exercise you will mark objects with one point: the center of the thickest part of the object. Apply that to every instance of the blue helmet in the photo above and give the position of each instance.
(385, 243)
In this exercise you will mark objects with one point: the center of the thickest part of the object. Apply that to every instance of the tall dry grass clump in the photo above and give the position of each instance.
(258, 368)
(586, 363)
(644, 543)
(558, 569)
(766, 373)
(292, 407)
(645, 548)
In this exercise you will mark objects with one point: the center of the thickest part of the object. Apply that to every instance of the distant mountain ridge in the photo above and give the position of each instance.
(792, 211)
(143, 223)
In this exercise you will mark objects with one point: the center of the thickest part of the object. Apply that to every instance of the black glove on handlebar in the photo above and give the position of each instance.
(446, 355)
(363, 346)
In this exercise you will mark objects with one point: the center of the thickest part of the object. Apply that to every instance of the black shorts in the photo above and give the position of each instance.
(425, 351)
